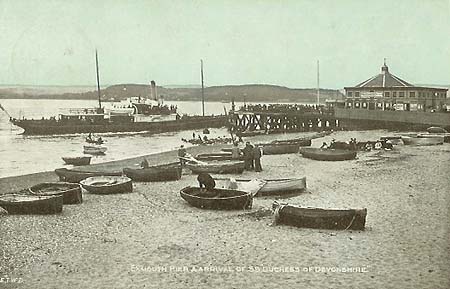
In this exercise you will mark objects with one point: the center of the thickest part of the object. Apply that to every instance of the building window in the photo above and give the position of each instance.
(349, 104)
(350, 94)
(364, 104)
(387, 94)
(420, 94)
(412, 94)
(394, 94)
(357, 104)
(379, 105)
(401, 94)
(356, 93)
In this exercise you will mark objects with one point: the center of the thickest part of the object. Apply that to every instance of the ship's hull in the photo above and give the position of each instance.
(38, 127)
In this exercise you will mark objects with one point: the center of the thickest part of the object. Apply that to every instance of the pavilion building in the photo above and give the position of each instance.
(386, 91)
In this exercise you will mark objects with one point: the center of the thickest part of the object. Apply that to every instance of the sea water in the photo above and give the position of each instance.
(20, 154)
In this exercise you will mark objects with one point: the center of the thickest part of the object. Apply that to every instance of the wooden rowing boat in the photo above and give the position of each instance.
(328, 154)
(75, 176)
(225, 167)
(344, 219)
(299, 141)
(277, 149)
(423, 141)
(31, 204)
(270, 187)
(446, 136)
(94, 150)
(436, 129)
(218, 199)
(222, 156)
(107, 185)
(77, 161)
(71, 192)
(160, 173)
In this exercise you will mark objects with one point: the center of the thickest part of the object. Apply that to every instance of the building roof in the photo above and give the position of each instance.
(384, 79)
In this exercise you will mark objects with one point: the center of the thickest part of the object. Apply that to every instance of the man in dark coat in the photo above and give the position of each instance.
(248, 156)
(206, 181)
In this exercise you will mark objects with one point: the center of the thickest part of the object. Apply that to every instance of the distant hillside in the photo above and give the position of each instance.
(251, 92)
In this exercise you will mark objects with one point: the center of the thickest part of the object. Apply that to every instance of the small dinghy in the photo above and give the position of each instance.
(221, 156)
(217, 199)
(299, 141)
(31, 204)
(77, 161)
(107, 185)
(94, 150)
(345, 219)
(423, 141)
(75, 176)
(71, 192)
(160, 173)
(224, 167)
(269, 187)
(328, 154)
(436, 129)
(446, 136)
(279, 148)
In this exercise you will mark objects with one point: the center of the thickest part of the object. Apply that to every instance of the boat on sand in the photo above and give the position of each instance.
(218, 199)
(107, 185)
(31, 204)
(75, 176)
(336, 219)
(269, 187)
(328, 154)
(423, 141)
(216, 167)
(71, 192)
(77, 161)
(160, 173)
(94, 149)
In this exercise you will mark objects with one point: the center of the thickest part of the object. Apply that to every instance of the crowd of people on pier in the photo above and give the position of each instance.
(282, 108)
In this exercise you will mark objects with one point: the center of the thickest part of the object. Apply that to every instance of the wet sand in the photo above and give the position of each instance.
(152, 238)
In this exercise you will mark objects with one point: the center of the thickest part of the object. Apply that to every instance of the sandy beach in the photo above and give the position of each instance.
(152, 238)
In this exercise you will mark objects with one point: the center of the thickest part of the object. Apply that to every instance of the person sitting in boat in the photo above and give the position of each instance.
(324, 145)
(144, 164)
(205, 138)
(332, 144)
(206, 181)
(99, 141)
(387, 145)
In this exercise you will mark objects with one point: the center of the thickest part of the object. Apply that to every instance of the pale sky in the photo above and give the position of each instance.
(44, 42)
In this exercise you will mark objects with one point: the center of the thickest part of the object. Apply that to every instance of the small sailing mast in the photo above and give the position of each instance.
(203, 88)
(98, 81)
(318, 84)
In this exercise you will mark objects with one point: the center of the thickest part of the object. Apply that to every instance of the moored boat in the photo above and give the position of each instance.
(277, 149)
(31, 204)
(71, 192)
(160, 173)
(75, 176)
(219, 199)
(221, 156)
(337, 219)
(225, 167)
(436, 129)
(94, 149)
(107, 185)
(423, 141)
(328, 154)
(77, 161)
(393, 139)
(280, 187)
(300, 141)
(446, 136)
(248, 133)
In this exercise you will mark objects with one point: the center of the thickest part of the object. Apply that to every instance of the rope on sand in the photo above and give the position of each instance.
(351, 222)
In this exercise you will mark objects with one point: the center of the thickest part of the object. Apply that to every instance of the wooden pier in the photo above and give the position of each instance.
(282, 121)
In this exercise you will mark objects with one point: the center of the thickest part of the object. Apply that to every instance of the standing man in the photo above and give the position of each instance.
(248, 156)
(182, 154)
(257, 157)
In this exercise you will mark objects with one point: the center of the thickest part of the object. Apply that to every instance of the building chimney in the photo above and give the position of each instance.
(154, 94)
